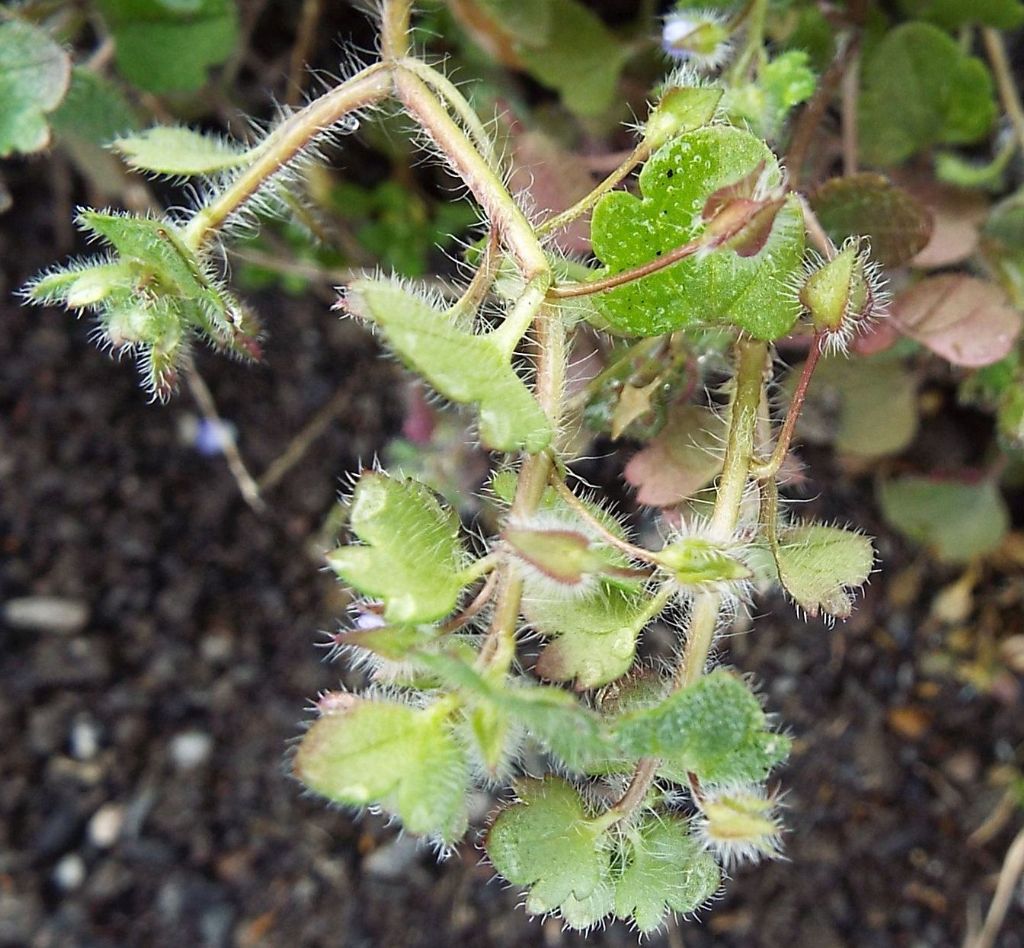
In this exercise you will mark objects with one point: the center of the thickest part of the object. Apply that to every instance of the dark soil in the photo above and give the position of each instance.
(144, 791)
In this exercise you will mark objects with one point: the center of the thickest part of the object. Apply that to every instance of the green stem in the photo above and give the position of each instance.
(285, 144)
(1003, 71)
(754, 43)
(637, 156)
(748, 382)
(394, 29)
(482, 180)
(451, 95)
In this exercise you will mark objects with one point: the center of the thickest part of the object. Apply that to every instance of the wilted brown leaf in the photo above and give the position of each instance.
(968, 321)
(683, 458)
(870, 205)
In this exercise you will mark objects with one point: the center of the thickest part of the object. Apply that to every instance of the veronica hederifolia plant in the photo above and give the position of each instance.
(658, 776)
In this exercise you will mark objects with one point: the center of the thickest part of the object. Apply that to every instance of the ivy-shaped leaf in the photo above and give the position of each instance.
(920, 89)
(782, 84)
(719, 287)
(167, 46)
(958, 521)
(548, 841)
(818, 564)
(463, 366)
(714, 728)
(664, 870)
(34, 75)
(413, 558)
(367, 752)
(178, 151)
(870, 205)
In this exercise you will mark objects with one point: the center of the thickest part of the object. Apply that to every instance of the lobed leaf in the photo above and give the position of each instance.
(921, 89)
(954, 14)
(664, 870)
(818, 564)
(34, 76)
(370, 752)
(549, 842)
(413, 556)
(714, 728)
(720, 287)
(463, 366)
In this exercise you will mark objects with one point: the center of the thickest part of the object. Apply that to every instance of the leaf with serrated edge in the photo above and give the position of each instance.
(179, 151)
(379, 752)
(413, 556)
(665, 870)
(714, 728)
(717, 288)
(548, 842)
(818, 564)
(463, 366)
(34, 75)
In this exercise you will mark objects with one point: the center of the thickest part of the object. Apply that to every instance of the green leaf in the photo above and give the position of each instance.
(680, 109)
(817, 564)
(870, 205)
(714, 728)
(34, 75)
(369, 752)
(958, 521)
(665, 870)
(781, 85)
(413, 557)
(548, 842)
(877, 405)
(94, 110)
(578, 44)
(167, 46)
(920, 89)
(721, 287)
(1002, 246)
(179, 151)
(954, 14)
(462, 366)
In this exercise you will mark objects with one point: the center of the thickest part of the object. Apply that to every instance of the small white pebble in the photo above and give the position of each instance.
(105, 825)
(85, 739)
(69, 873)
(190, 749)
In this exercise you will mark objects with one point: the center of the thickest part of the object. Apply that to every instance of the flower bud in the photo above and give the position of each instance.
(739, 825)
(698, 36)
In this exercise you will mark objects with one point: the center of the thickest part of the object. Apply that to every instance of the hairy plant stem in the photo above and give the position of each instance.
(744, 405)
(766, 470)
(286, 143)
(1003, 71)
(637, 156)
